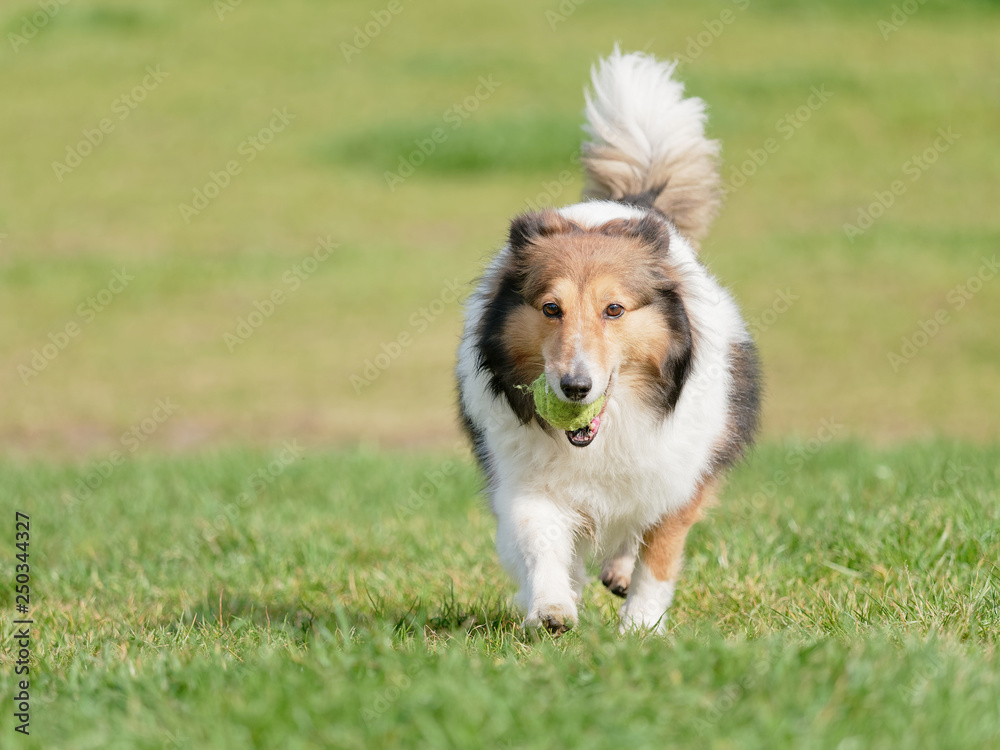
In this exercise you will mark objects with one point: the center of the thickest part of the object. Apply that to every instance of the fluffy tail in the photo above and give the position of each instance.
(647, 143)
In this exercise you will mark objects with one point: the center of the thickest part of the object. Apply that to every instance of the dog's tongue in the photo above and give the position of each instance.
(585, 435)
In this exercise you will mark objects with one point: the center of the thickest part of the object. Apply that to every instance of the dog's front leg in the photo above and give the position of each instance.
(535, 540)
(651, 590)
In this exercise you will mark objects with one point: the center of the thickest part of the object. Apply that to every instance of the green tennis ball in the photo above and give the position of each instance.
(559, 413)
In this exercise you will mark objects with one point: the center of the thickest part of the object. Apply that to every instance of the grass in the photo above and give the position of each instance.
(324, 175)
(837, 597)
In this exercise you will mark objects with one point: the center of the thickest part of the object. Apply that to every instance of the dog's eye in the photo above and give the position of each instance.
(614, 310)
(551, 310)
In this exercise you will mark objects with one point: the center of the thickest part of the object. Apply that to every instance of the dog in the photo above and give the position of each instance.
(607, 297)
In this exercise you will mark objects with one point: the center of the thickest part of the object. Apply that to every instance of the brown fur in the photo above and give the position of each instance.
(663, 545)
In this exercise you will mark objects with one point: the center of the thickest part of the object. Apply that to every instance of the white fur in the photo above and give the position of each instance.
(647, 603)
(595, 213)
(644, 134)
(639, 108)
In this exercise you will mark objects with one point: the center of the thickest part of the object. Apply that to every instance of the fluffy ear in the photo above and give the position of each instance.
(676, 364)
(651, 229)
(526, 228)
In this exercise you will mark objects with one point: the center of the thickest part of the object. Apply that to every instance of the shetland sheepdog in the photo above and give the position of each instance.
(607, 297)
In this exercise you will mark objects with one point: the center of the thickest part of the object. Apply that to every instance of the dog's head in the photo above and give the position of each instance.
(595, 309)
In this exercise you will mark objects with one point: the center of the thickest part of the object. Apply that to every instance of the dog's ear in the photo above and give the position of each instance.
(651, 229)
(528, 227)
(676, 364)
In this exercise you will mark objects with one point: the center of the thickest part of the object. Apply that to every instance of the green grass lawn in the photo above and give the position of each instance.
(837, 597)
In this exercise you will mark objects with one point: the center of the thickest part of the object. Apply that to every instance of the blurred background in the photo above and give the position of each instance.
(244, 222)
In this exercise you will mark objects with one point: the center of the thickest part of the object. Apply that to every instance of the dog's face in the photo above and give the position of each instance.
(595, 310)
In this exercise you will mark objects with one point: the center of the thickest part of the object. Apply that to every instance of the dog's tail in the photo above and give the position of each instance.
(647, 143)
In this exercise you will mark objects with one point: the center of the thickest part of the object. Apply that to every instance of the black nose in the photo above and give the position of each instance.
(576, 387)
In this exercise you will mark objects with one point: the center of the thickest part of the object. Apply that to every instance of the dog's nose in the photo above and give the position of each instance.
(576, 387)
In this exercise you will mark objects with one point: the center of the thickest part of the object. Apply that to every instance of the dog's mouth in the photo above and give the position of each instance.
(585, 435)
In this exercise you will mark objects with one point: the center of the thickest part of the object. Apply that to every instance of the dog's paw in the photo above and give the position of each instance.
(641, 622)
(615, 582)
(556, 618)
(646, 607)
(616, 575)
